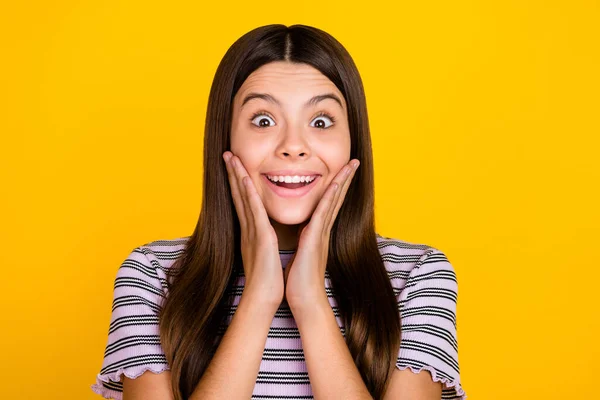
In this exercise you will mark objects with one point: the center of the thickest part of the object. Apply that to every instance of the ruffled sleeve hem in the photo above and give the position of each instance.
(110, 386)
(454, 386)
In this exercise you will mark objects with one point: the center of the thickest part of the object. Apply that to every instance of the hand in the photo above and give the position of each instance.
(305, 274)
(260, 250)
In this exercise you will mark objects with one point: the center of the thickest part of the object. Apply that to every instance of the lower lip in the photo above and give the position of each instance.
(285, 192)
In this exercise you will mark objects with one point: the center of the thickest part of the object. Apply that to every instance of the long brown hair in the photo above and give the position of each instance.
(197, 301)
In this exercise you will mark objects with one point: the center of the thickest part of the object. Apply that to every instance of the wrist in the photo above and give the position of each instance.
(310, 306)
(261, 299)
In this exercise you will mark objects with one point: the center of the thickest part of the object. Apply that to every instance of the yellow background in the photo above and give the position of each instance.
(485, 125)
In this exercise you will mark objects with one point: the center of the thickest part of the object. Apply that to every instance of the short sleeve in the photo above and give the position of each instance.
(133, 344)
(428, 322)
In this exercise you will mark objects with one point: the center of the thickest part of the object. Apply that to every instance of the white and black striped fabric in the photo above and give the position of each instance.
(423, 280)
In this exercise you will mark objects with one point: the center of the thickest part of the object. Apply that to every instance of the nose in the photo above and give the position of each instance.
(293, 144)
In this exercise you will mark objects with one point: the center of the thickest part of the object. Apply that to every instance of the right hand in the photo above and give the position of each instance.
(260, 249)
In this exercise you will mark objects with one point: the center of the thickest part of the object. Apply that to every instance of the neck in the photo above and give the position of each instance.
(287, 235)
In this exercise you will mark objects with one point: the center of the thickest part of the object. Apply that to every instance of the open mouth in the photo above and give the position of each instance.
(292, 189)
(291, 185)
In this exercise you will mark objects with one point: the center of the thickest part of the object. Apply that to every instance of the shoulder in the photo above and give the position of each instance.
(164, 252)
(408, 262)
(426, 288)
(133, 343)
(146, 267)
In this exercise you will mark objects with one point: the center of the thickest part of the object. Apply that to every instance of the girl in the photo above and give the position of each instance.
(284, 290)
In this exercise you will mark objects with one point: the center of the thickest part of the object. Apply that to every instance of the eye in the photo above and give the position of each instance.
(261, 120)
(320, 117)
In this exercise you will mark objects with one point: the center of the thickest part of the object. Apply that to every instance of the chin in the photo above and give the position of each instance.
(289, 217)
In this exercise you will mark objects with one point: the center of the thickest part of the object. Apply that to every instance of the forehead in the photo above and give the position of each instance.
(288, 82)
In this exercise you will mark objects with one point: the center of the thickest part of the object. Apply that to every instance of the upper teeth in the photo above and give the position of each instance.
(291, 179)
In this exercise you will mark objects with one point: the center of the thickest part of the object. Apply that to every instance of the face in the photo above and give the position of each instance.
(287, 135)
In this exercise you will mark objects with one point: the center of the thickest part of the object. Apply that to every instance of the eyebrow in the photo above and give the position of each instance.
(313, 101)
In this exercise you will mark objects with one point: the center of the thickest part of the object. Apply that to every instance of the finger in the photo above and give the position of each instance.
(318, 217)
(340, 195)
(256, 205)
(325, 207)
(235, 190)
(241, 173)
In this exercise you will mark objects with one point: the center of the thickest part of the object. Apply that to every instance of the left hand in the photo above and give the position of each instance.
(304, 275)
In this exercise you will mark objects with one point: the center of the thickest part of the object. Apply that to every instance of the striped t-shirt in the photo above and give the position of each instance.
(423, 280)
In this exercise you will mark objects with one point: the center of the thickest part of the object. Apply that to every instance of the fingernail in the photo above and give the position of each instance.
(355, 164)
(226, 157)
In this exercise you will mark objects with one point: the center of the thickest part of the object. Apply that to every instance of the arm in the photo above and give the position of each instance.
(428, 355)
(407, 385)
(148, 386)
(232, 371)
(332, 372)
(133, 345)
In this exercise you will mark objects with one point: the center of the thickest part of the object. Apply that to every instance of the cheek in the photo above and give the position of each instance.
(252, 163)
(247, 151)
(240, 139)
(249, 146)
(335, 151)
(336, 161)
